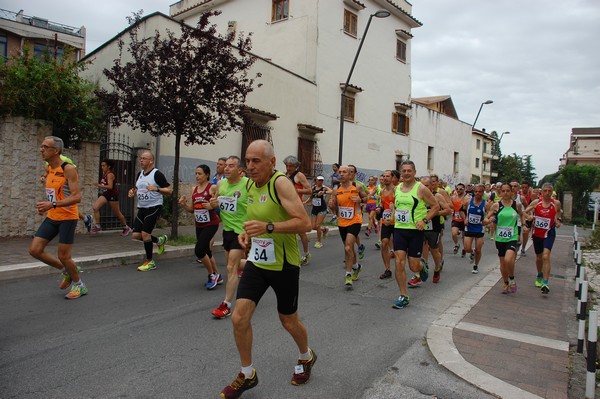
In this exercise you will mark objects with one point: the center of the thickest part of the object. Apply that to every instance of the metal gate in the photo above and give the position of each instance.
(116, 148)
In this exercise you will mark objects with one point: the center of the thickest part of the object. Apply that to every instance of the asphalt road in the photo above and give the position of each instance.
(151, 335)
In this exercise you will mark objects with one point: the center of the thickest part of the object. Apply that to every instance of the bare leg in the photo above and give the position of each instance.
(242, 329)
(296, 328)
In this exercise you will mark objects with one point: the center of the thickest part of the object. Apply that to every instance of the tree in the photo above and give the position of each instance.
(192, 85)
(527, 170)
(580, 180)
(551, 178)
(52, 90)
(509, 168)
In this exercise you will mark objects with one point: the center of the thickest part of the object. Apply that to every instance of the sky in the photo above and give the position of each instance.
(537, 60)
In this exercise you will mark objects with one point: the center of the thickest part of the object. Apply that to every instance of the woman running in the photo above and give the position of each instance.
(319, 209)
(207, 222)
(108, 194)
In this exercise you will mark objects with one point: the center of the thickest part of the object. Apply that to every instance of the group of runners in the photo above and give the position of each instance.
(263, 215)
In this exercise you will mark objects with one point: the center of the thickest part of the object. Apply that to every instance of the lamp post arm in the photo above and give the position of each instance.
(477, 117)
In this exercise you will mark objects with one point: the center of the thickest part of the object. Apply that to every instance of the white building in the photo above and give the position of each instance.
(306, 49)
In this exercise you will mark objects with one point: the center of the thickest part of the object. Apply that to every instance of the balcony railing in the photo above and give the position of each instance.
(40, 23)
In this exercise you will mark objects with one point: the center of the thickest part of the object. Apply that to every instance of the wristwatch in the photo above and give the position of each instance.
(425, 221)
(54, 204)
(270, 227)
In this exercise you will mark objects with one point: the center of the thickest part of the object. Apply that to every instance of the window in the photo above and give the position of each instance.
(485, 148)
(485, 167)
(429, 158)
(40, 49)
(350, 23)
(400, 50)
(254, 131)
(400, 123)
(477, 163)
(3, 46)
(349, 108)
(309, 157)
(281, 10)
(478, 144)
(455, 167)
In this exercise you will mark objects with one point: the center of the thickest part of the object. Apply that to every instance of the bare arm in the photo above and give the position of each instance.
(444, 207)
(434, 207)
(301, 179)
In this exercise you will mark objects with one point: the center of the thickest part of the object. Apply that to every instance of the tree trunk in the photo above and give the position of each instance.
(175, 196)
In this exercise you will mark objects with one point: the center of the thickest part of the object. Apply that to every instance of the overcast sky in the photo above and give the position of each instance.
(538, 60)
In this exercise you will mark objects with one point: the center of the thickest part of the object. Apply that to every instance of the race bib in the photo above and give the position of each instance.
(51, 194)
(262, 250)
(402, 216)
(505, 232)
(201, 215)
(457, 215)
(142, 194)
(228, 204)
(387, 214)
(316, 201)
(542, 223)
(474, 218)
(346, 212)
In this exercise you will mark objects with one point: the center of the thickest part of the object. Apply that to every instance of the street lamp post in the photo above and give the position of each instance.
(478, 112)
(378, 14)
(498, 147)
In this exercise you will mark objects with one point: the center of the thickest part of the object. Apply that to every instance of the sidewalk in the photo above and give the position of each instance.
(515, 345)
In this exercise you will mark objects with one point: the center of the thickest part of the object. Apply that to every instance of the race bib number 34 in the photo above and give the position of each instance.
(262, 250)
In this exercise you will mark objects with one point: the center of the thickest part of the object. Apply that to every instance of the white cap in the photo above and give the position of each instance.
(320, 178)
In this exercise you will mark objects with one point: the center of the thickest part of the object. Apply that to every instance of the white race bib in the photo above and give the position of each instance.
(228, 204)
(201, 215)
(262, 250)
(51, 194)
(542, 223)
(387, 214)
(457, 215)
(402, 216)
(505, 232)
(142, 194)
(316, 201)
(474, 218)
(346, 212)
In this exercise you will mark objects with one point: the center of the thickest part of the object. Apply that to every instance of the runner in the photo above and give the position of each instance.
(108, 194)
(275, 216)
(517, 197)
(232, 199)
(63, 194)
(335, 182)
(371, 206)
(546, 217)
(149, 188)
(319, 209)
(505, 213)
(436, 188)
(206, 220)
(357, 183)
(525, 195)
(473, 213)
(220, 171)
(346, 200)
(458, 224)
(292, 167)
(411, 219)
(386, 204)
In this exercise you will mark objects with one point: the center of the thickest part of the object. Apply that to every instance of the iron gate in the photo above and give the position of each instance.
(116, 148)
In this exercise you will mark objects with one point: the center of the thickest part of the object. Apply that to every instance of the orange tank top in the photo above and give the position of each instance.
(457, 204)
(57, 189)
(349, 212)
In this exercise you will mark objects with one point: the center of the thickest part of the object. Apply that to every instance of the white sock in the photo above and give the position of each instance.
(248, 371)
(228, 304)
(305, 356)
(355, 266)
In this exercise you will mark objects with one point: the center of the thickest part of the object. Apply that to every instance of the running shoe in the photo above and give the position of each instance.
(513, 286)
(538, 281)
(463, 253)
(334, 219)
(492, 238)
(356, 272)
(436, 277)
(147, 266)
(318, 245)
(545, 289)
(378, 245)
(222, 311)
(348, 280)
(505, 288)
(212, 282)
(376, 229)
(325, 232)
(96, 229)
(303, 368)
(424, 273)
(386, 274)
(414, 282)
(239, 386)
(77, 290)
(361, 251)
(368, 232)
(87, 221)
(472, 256)
(65, 282)
(219, 279)
(305, 259)
(162, 240)
(207, 283)
(455, 250)
(402, 302)
(475, 269)
(523, 252)
(126, 231)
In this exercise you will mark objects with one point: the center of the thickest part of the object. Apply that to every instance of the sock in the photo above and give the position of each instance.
(305, 356)
(355, 266)
(148, 249)
(228, 304)
(475, 266)
(540, 275)
(248, 371)
(545, 282)
(511, 277)
(348, 274)
(154, 239)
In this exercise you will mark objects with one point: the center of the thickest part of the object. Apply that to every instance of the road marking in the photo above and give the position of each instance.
(514, 336)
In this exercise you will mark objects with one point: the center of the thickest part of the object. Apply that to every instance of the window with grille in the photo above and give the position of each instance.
(281, 10)
(307, 156)
(350, 23)
(400, 50)
(349, 103)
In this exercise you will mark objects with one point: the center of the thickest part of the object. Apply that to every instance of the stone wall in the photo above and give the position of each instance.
(22, 166)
